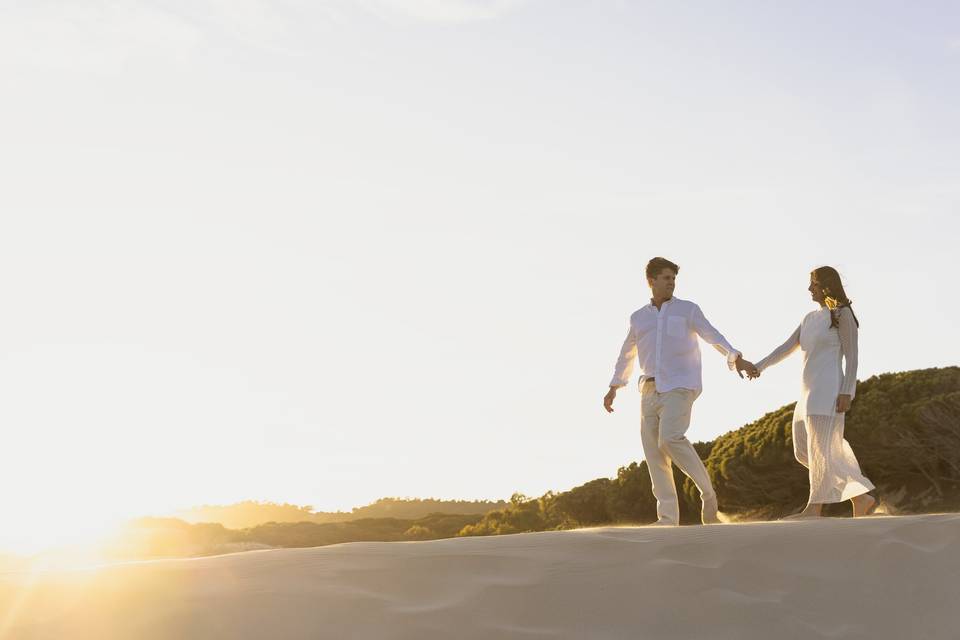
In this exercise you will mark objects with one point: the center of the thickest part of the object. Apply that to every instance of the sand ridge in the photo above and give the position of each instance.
(879, 577)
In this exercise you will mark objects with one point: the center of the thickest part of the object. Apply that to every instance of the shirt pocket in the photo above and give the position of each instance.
(677, 326)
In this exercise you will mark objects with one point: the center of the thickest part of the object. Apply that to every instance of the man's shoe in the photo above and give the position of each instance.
(662, 523)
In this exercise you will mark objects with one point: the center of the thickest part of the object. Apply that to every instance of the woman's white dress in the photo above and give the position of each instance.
(818, 441)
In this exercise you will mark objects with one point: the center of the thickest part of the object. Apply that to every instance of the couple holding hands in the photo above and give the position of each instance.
(663, 337)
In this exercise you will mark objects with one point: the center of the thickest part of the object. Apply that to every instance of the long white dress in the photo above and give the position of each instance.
(818, 441)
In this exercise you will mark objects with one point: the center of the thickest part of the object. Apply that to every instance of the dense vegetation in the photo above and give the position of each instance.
(904, 428)
(170, 537)
(252, 513)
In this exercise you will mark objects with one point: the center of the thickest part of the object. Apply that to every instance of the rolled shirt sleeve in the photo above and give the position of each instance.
(711, 336)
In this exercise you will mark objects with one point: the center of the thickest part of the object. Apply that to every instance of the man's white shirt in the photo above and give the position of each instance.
(665, 343)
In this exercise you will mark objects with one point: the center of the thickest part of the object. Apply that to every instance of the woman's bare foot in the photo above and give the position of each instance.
(863, 505)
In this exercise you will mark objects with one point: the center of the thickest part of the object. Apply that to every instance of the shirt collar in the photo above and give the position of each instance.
(665, 302)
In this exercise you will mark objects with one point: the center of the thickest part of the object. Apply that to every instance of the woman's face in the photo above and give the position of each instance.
(816, 292)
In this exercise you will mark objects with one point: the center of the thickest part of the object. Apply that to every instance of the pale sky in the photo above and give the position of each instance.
(326, 252)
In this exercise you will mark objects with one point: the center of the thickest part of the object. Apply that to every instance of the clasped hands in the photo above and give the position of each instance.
(750, 368)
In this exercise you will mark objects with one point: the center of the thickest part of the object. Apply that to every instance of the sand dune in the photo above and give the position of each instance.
(883, 577)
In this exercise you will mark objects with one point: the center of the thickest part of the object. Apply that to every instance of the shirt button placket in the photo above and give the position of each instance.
(656, 372)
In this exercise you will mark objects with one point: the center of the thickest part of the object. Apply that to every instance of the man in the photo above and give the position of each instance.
(663, 336)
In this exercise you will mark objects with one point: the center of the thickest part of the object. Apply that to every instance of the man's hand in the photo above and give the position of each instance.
(608, 399)
(746, 365)
(843, 403)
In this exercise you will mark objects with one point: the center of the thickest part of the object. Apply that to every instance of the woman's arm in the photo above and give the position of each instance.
(848, 345)
(781, 352)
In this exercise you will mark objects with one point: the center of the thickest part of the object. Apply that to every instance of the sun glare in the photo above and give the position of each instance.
(53, 533)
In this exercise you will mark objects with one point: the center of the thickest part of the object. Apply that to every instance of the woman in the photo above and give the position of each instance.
(825, 336)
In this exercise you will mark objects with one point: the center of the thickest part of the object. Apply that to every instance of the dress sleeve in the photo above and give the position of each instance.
(848, 345)
(628, 355)
(781, 352)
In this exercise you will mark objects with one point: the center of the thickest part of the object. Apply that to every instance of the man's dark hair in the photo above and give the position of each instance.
(658, 264)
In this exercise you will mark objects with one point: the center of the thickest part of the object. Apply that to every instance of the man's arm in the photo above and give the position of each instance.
(623, 368)
(713, 337)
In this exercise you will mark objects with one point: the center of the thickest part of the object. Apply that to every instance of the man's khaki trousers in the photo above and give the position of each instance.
(664, 420)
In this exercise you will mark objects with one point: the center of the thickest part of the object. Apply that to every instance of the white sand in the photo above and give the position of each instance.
(882, 577)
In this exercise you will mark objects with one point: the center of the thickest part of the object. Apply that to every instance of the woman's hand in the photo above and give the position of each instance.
(748, 367)
(745, 366)
(843, 403)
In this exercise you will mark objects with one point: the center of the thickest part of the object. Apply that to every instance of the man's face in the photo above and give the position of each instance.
(662, 286)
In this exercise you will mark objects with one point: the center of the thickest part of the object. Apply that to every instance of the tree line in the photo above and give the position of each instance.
(905, 428)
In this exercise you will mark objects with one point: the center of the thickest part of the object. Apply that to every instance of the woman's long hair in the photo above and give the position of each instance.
(833, 294)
